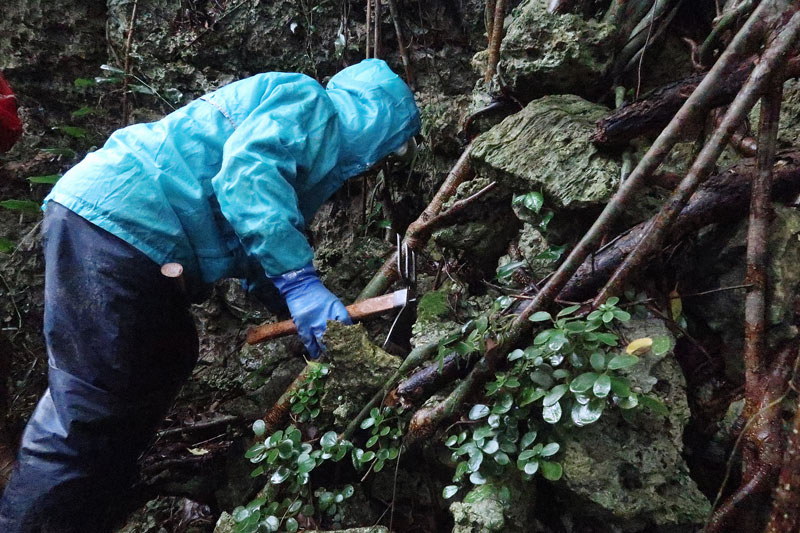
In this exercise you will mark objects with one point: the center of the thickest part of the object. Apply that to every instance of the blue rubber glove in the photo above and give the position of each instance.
(311, 306)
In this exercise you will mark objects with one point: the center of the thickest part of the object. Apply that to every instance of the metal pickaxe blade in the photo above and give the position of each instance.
(407, 270)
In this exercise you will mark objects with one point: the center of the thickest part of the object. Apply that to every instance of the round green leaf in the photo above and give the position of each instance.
(583, 382)
(602, 386)
(475, 461)
(552, 413)
(622, 361)
(272, 523)
(501, 458)
(527, 439)
(589, 413)
(552, 471)
(555, 394)
(540, 316)
(550, 449)
(449, 491)
(329, 440)
(661, 345)
(598, 361)
(628, 403)
(478, 411)
(531, 467)
(280, 475)
(491, 446)
(259, 428)
(476, 478)
(608, 339)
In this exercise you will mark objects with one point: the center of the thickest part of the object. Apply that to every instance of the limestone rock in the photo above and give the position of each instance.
(627, 470)
(358, 369)
(494, 507)
(549, 53)
(546, 147)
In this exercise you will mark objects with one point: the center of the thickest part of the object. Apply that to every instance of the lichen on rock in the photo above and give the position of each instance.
(546, 147)
(358, 369)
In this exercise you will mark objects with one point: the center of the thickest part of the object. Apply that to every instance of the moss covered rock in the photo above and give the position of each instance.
(546, 147)
(358, 369)
(627, 469)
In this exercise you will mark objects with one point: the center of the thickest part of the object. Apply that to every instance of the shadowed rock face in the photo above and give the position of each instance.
(358, 369)
(546, 147)
(45, 45)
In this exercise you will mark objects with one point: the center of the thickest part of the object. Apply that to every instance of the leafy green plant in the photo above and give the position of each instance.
(572, 368)
(305, 400)
(386, 427)
(329, 502)
(288, 463)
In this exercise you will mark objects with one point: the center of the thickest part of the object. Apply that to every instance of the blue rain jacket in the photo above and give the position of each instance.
(227, 183)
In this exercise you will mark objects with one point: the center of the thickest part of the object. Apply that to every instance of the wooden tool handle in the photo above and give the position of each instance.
(357, 311)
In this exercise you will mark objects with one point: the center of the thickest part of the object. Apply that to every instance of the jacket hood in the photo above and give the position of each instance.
(377, 114)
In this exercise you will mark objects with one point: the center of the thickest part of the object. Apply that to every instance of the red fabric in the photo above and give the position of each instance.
(10, 125)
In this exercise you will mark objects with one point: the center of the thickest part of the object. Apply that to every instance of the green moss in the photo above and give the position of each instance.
(495, 507)
(431, 306)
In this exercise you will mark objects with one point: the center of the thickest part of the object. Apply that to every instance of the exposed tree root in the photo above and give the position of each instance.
(495, 38)
(785, 516)
(388, 274)
(773, 59)
(722, 198)
(431, 378)
(763, 441)
(755, 310)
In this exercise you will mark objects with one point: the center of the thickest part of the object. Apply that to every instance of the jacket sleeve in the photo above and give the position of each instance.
(263, 166)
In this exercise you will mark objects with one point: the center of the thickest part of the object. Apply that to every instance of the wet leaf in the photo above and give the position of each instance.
(555, 394)
(602, 386)
(478, 411)
(622, 361)
(552, 414)
(583, 383)
(589, 413)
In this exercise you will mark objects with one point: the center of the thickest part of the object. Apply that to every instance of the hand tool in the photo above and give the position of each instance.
(359, 310)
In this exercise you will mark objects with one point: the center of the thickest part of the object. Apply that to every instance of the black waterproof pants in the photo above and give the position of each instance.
(120, 343)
